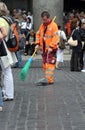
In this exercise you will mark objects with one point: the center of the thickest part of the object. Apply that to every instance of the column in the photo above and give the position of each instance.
(54, 7)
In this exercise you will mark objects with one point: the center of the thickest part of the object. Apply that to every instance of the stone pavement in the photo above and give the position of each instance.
(60, 106)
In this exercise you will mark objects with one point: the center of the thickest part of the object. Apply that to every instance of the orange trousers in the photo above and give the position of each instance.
(49, 71)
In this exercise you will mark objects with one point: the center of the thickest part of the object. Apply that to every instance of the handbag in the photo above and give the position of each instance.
(72, 42)
(2, 49)
(12, 41)
(61, 44)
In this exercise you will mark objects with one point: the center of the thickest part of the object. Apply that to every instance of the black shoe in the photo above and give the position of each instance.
(7, 99)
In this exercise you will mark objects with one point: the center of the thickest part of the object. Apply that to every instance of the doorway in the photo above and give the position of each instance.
(74, 4)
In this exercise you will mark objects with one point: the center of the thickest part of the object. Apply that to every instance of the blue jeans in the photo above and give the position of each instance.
(1, 100)
(19, 63)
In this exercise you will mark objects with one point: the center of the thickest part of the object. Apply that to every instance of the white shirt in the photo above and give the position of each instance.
(62, 34)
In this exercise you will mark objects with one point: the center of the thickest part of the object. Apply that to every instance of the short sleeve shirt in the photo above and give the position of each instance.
(3, 23)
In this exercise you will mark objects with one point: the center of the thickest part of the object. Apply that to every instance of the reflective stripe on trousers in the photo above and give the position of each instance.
(49, 71)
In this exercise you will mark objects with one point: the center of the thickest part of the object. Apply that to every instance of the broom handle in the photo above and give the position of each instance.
(34, 53)
(54, 18)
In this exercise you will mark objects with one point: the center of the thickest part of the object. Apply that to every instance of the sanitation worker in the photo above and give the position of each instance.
(46, 40)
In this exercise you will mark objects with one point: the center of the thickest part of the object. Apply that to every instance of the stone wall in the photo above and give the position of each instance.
(55, 8)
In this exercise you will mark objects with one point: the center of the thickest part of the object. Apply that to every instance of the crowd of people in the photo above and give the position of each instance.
(47, 39)
(75, 28)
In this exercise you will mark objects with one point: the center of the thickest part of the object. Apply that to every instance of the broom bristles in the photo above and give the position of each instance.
(25, 69)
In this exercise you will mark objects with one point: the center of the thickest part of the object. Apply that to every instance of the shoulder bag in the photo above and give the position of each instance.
(72, 42)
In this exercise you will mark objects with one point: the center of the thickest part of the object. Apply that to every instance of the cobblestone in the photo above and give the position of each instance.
(60, 106)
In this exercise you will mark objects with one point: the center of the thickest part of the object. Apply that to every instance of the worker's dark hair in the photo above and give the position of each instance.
(45, 13)
(59, 26)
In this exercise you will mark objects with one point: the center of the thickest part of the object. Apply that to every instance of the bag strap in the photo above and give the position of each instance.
(8, 19)
(72, 33)
(60, 34)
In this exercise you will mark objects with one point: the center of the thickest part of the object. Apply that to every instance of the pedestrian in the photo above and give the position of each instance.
(75, 62)
(30, 43)
(61, 46)
(16, 28)
(1, 100)
(28, 25)
(6, 61)
(47, 39)
(83, 44)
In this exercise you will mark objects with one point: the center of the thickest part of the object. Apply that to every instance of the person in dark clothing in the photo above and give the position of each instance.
(75, 62)
(82, 33)
(30, 40)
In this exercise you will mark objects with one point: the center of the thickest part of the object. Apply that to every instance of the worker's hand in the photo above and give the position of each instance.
(50, 50)
(37, 47)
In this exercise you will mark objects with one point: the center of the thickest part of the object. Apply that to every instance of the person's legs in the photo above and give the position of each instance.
(8, 82)
(1, 101)
(59, 57)
(83, 70)
(72, 62)
(26, 49)
(32, 48)
(19, 63)
(49, 71)
(84, 59)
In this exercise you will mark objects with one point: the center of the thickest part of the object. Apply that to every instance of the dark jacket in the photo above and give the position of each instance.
(76, 36)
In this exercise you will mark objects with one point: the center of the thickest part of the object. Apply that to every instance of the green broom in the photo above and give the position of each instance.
(25, 69)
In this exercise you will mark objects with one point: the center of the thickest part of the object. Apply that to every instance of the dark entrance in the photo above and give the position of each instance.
(74, 4)
(19, 4)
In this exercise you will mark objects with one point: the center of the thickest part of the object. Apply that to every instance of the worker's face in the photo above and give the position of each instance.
(45, 20)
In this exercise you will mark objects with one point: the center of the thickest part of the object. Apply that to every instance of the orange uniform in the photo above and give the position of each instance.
(50, 38)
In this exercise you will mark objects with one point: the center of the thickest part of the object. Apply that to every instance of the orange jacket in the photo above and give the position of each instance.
(51, 37)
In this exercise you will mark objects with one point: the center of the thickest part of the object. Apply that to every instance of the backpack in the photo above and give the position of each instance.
(12, 41)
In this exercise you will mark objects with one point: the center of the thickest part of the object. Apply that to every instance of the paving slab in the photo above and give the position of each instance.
(60, 106)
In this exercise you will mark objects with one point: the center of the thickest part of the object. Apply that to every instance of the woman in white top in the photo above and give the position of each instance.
(60, 52)
(6, 61)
